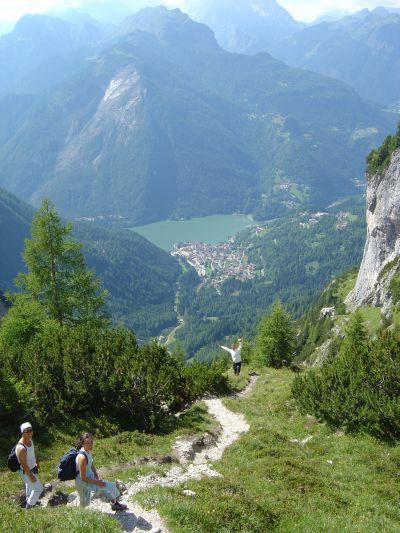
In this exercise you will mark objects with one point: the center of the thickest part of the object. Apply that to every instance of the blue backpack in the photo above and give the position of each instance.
(67, 465)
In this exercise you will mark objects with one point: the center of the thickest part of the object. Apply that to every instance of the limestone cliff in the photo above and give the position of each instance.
(382, 249)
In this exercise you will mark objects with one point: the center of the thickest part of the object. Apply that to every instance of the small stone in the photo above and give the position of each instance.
(166, 459)
(121, 486)
(72, 497)
(59, 498)
(20, 498)
(48, 487)
(156, 530)
(190, 493)
(329, 462)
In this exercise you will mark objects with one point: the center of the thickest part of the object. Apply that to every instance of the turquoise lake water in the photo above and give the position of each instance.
(211, 229)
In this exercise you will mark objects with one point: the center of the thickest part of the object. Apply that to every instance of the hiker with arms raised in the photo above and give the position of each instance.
(25, 452)
(234, 352)
(87, 480)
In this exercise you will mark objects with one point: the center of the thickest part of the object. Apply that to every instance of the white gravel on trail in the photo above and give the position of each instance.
(231, 426)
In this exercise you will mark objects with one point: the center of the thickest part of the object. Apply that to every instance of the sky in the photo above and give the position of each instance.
(302, 10)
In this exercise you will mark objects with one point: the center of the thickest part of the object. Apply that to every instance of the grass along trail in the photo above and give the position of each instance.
(288, 473)
(193, 455)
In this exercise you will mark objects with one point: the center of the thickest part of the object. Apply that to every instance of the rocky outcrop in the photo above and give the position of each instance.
(382, 249)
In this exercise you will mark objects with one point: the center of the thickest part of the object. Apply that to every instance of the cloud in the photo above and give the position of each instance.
(12, 10)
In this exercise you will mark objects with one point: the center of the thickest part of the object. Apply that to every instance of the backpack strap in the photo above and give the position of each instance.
(26, 449)
(85, 454)
(82, 453)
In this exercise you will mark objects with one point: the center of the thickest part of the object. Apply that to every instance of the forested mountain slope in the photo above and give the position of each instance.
(139, 277)
(164, 123)
(15, 218)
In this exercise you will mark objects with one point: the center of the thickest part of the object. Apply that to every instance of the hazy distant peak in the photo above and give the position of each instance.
(245, 26)
(34, 22)
(362, 13)
(57, 34)
(258, 8)
(167, 25)
(269, 8)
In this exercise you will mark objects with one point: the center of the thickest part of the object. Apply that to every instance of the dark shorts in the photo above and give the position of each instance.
(236, 367)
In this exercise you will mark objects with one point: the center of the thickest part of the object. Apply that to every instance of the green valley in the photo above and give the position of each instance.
(292, 259)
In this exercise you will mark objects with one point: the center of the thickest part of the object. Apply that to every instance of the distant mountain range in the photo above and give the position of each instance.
(362, 50)
(139, 277)
(164, 123)
(244, 26)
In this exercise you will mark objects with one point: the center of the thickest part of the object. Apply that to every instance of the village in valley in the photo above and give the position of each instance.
(216, 262)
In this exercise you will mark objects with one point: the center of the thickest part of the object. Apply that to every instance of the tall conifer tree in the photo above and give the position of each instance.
(57, 273)
(276, 339)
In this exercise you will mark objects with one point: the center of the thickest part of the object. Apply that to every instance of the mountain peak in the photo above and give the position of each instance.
(168, 25)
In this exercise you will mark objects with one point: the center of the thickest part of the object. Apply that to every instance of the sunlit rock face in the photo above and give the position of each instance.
(382, 248)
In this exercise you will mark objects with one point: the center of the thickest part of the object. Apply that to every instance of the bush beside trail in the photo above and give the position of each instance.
(63, 363)
(359, 389)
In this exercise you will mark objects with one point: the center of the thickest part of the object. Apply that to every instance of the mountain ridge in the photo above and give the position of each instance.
(157, 127)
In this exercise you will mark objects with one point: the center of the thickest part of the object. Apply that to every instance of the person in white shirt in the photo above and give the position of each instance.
(88, 481)
(25, 451)
(234, 351)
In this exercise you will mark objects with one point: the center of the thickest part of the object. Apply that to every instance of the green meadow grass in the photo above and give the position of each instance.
(332, 483)
(109, 452)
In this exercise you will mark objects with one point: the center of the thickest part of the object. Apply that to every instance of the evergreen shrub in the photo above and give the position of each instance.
(359, 389)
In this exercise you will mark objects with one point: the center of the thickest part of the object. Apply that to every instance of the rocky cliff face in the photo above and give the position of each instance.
(382, 249)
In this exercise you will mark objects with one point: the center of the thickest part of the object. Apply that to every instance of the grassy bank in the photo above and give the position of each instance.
(332, 483)
(271, 481)
(117, 453)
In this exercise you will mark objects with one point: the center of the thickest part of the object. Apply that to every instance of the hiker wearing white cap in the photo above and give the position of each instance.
(29, 468)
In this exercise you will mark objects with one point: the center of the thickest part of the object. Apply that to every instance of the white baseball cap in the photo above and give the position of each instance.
(25, 425)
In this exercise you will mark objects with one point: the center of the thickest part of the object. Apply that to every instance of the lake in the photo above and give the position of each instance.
(211, 229)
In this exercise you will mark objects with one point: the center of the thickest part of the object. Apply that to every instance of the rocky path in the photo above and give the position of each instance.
(194, 457)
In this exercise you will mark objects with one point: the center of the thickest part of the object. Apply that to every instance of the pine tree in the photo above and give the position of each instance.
(57, 273)
(276, 341)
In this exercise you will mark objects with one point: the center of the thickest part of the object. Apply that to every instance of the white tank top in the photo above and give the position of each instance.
(89, 461)
(30, 454)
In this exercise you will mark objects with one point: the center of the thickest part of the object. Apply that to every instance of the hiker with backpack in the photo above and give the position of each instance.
(28, 465)
(87, 479)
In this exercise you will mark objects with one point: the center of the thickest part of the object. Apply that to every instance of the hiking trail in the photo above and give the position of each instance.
(194, 461)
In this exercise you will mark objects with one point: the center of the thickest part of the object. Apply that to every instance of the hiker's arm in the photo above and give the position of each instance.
(82, 461)
(96, 475)
(231, 352)
(21, 454)
(226, 349)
